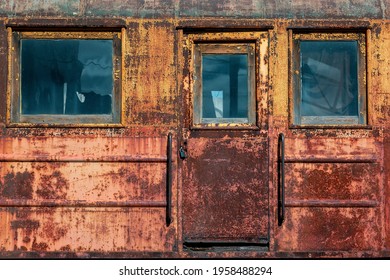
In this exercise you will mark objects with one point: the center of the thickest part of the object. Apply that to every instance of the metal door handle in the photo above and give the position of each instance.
(169, 181)
(281, 200)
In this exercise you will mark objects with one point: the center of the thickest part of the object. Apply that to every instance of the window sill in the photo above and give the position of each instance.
(330, 126)
(224, 126)
(64, 125)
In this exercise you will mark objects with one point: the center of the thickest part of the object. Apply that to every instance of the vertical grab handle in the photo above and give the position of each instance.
(169, 181)
(281, 200)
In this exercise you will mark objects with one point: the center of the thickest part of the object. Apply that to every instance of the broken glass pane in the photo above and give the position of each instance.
(225, 86)
(66, 76)
(329, 78)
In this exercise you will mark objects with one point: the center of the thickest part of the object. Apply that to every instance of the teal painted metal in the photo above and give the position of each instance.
(290, 9)
(12, 8)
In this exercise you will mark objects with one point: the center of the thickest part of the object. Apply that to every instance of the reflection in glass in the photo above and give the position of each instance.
(66, 76)
(225, 86)
(329, 78)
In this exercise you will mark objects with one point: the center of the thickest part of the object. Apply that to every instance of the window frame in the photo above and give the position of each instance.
(259, 89)
(296, 120)
(14, 116)
(223, 48)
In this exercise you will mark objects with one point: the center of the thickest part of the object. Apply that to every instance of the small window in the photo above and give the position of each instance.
(224, 84)
(329, 79)
(65, 77)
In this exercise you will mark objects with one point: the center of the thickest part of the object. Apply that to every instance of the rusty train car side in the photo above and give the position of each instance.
(158, 173)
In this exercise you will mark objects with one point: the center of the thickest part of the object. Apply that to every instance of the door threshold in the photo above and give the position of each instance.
(205, 245)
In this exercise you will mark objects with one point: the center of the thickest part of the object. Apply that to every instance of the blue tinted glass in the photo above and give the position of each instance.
(225, 86)
(66, 76)
(329, 78)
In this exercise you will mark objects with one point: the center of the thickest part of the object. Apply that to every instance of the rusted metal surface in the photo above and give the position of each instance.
(224, 203)
(284, 9)
(84, 229)
(196, 8)
(334, 229)
(386, 144)
(223, 199)
(150, 73)
(73, 189)
(59, 202)
(333, 181)
(63, 181)
(334, 185)
(102, 191)
(326, 203)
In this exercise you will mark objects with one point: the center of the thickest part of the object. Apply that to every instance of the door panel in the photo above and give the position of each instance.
(226, 194)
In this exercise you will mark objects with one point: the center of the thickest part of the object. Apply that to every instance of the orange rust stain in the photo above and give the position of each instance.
(222, 193)
(53, 186)
(387, 187)
(332, 181)
(324, 229)
(153, 73)
(82, 229)
(91, 148)
(25, 224)
(18, 185)
(151, 99)
(351, 148)
(279, 53)
(66, 248)
(381, 61)
(41, 246)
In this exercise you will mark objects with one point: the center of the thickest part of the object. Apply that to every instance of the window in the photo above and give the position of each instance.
(329, 79)
(224, 86)
(65, 77)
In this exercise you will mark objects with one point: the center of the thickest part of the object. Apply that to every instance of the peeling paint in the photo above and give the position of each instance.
(84, 192)
(223, 198)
